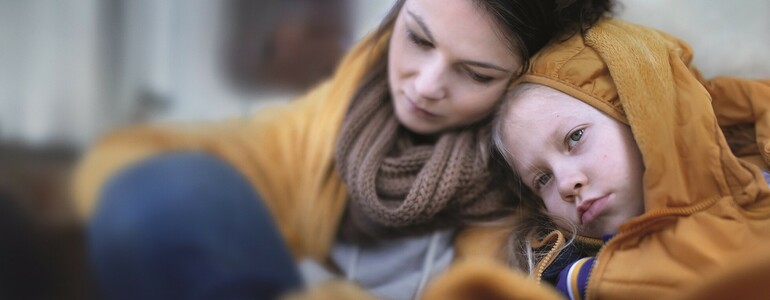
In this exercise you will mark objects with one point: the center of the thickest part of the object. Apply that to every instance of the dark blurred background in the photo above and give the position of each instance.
(71, 70)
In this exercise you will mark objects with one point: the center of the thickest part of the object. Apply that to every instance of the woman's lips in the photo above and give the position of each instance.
(590, 209)
(418, 110)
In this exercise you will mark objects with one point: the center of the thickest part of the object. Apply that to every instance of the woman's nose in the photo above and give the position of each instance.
(430, 82)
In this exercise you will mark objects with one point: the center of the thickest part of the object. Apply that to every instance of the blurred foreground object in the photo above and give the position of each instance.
(747, 278)
(332, 290)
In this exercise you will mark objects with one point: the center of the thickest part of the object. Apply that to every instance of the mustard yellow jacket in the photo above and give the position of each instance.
(285, 151)
(706, 209)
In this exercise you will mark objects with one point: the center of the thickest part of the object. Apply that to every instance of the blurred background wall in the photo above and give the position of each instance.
(72, 69)
(69, 70)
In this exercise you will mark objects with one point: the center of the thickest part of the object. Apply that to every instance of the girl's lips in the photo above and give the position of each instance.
(590, 209)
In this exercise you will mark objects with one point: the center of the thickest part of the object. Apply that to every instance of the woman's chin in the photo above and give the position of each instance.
(416, 125)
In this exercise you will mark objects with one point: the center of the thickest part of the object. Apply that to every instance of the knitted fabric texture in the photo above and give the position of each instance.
(398, 188)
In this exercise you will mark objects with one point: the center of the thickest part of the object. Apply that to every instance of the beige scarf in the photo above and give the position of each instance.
(398, 188)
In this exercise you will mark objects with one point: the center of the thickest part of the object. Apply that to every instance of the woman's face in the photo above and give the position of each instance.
(447, 65)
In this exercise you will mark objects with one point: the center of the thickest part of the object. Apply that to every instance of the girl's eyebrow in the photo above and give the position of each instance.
(528, 173)
(554, 139)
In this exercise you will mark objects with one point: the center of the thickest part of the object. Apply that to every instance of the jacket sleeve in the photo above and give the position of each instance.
(263, 148)
(286, 152)
(739, 101)
(742, 108)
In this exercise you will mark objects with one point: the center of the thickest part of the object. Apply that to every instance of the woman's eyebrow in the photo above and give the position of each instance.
(485, 65)
(422, 25)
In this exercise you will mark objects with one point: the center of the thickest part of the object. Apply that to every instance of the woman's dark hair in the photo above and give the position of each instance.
(528, 25)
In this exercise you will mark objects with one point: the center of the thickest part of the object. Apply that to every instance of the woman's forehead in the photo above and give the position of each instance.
(463, 28)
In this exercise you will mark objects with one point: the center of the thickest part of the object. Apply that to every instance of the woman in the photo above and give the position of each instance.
(372, 173)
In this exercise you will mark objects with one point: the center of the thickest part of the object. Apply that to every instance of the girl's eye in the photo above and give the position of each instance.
(420, 42)
(541, 181)
(479, 78)
(574, 138)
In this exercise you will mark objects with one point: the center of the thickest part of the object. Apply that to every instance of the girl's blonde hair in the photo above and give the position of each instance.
(531, 221)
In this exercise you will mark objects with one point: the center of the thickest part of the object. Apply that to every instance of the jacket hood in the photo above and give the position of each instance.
(640, 77)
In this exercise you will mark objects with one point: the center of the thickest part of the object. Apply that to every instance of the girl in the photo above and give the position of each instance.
(617, 139)
(615, 142)
(372, 173)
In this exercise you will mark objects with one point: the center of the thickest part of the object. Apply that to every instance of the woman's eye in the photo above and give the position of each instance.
(479, 78)
(541, 181)
(418, 40)
(574, 138)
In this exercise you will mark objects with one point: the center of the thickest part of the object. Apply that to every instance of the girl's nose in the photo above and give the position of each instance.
(571, 184)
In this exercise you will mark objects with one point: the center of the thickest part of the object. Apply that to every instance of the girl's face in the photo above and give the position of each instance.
(447, 65)
(584, 164)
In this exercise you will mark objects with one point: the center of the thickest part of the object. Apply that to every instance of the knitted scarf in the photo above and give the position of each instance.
(397, 187)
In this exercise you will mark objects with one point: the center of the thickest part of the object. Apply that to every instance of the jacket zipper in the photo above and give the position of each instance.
(549, 258)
